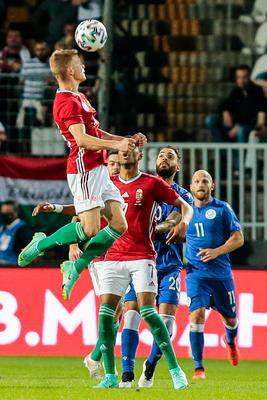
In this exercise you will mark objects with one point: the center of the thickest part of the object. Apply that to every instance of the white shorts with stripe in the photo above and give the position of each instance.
(92, 189)
(114, 277)
(93, 268)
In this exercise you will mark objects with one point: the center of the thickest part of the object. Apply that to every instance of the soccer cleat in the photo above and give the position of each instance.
(126, 385)
(233, 352)
(109, 381)
(93, 367)
(127, 380)
(178, 378)
(30, 252)
(146, 379)
(70, 276)
(199, 374)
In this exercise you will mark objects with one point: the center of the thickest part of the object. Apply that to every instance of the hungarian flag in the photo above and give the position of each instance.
(29, 180)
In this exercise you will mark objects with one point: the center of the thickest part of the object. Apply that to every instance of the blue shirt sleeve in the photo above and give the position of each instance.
(231, 219)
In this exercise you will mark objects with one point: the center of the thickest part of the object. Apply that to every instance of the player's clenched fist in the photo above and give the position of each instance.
(43, 207)
(126, 145)
(140, 139)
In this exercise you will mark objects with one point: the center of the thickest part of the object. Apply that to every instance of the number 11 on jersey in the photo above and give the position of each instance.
(200, 229)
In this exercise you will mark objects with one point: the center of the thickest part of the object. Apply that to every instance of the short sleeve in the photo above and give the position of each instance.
(71, 113)
(187, 196)
(163, 192)
(231, 219)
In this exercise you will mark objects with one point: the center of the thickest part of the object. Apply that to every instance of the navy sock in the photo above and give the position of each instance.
(197, 346)
(155, 354)
(129, 344)
(231, 333)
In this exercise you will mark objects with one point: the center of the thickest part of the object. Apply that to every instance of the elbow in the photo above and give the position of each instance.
(241, 239)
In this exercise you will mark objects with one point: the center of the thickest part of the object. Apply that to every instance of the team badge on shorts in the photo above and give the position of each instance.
(139, 197)
(210, 214)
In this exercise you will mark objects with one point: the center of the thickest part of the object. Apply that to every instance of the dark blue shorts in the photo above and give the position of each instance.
(211, 293)
(168, 289)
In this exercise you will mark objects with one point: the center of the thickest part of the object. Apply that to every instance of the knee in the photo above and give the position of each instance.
(132, 320)
(197, 317)
(232, 322)
(120, 225)
(91, 230)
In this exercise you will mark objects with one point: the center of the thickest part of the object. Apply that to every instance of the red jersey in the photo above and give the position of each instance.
(142, 196)
(74, 108)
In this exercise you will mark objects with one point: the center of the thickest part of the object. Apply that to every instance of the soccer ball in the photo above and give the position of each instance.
(91, 35)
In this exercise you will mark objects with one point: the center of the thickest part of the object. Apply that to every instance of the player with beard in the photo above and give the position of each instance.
(169, 265)
(213, 233)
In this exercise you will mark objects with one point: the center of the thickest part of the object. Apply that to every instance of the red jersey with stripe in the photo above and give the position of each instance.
(141, 196)
(74, 108)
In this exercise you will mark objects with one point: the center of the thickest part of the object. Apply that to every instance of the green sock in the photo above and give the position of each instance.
(96, 353)
(98, 245)
(160, 334)
(106, 336)
(68, 234)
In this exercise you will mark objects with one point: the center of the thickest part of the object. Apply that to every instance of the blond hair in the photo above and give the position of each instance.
(59, 61)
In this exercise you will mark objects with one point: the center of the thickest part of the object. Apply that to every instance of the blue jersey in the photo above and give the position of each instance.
(170, 257)
(210, 227)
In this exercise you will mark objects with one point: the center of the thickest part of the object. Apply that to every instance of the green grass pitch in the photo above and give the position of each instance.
(59, 378)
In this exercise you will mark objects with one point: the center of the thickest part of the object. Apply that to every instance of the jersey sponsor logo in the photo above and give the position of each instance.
(139, 194)
(210, 214)
(85, 107)
(125, 195)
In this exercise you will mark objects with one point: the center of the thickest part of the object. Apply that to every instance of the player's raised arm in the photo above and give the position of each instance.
(89, 142)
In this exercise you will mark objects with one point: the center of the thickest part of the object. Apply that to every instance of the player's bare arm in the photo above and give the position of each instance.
(171, 221)
(140, 138)
(89, 142)
(178, 232)
(45, 207)
(235, 241)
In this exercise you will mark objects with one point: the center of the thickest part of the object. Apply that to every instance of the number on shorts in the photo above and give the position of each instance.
(125, 208)
(175, 283)
(231, 295)
(200, 229)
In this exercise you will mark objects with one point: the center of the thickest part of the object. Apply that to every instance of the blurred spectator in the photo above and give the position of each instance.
(53, 15)
(36, 75)
(14, 54)
(3, 138)
(14, 234)
(88, 9)
(12, 57)
(242, 111)
(258, 13)
(68, 40)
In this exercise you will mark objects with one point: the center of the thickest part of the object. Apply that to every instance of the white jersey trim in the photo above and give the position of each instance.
(131, 180)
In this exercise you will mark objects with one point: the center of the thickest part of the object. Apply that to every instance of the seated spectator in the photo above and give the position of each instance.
(258, 13)
(35, 75)
(3, 138)
(14, 54)
(241, 112)
(14, 234)
(68, 40)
